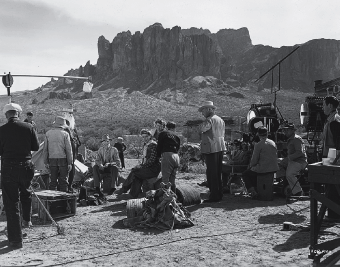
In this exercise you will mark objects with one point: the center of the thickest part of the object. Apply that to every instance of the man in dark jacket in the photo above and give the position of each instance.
(167, 148)
(29, 119)
(17, 140)
(121, 147)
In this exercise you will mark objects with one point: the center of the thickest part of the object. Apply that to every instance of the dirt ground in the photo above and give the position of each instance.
(237, 231)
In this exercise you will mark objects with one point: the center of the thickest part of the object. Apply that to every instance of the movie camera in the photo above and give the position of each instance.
(265, 115)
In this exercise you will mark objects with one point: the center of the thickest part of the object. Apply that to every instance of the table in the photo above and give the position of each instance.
(329, 176)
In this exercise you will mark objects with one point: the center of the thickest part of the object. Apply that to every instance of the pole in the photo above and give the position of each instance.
(51, 76)
(278, 63)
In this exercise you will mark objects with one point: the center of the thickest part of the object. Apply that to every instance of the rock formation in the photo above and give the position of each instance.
(158, 59)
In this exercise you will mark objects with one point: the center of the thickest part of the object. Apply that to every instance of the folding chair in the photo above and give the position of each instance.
(234, 174)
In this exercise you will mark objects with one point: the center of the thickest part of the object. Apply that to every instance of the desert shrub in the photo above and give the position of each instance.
(236, 95)
(120, 131)
(197, 167)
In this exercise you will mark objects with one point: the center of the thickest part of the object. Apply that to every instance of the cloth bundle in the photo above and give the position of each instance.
(161, 211)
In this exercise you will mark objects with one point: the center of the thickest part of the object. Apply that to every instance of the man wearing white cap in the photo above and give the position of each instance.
(212, 147)
(17, 140)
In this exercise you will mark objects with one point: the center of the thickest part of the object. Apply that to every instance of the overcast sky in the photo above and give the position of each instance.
(47, 37)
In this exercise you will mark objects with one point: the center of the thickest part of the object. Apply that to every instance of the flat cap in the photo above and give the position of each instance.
(12, 106)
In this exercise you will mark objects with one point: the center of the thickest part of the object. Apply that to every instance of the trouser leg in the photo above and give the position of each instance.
(292, 171)
(10, 194)
(128, 182)
(71, 175)
(214, 175)
(96, 176)
(63, 176)
(250, 179)
(169, 166)
(136, 187)
(54, 177)
(25, 195)
(121, 157)
(114, 176)
(139, 176)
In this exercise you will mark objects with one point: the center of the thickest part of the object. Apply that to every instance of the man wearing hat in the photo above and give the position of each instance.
(58, 154)
(263, 160)
(295, 161)
(107, 162)
(212, 131)
(167, 148)
(17, 140)
(29, 119)
(121, 147)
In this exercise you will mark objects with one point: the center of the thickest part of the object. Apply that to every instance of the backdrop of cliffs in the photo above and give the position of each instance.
(171, 71)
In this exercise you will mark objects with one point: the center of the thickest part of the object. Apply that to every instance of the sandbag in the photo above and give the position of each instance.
(187, 195)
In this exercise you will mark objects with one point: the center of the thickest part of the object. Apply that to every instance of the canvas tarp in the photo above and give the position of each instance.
(38, 160)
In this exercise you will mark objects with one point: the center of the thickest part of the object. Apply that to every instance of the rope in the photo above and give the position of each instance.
(162, 244)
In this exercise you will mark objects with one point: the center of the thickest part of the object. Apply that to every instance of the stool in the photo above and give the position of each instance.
(265, 186)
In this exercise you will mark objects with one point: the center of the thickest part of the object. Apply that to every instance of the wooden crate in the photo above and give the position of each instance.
(318, 173)
(59, 204)
(265, 186)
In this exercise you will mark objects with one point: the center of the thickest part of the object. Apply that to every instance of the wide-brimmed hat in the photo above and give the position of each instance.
(207, 104)
(29, 113)
(12, 106)
(289, 126)
(106, 137)
(60, 122)
(262, 131)
(120, 138)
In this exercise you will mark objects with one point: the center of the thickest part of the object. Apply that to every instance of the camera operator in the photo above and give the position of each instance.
(331, 131)
(330, 139)
(295, 161)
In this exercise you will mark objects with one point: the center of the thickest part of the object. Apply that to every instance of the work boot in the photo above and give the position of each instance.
(97, 190)
(111, 191)
(26, 224)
